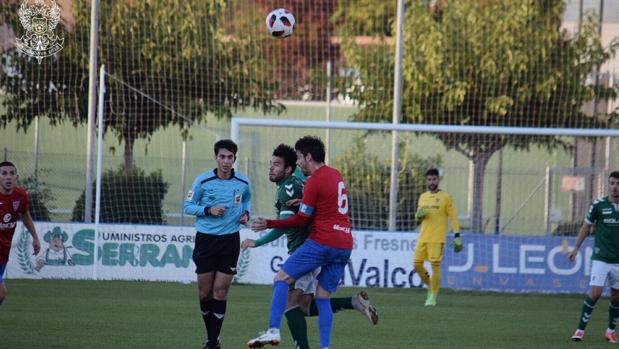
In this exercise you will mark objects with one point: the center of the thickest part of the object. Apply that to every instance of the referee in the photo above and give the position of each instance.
(220, 200)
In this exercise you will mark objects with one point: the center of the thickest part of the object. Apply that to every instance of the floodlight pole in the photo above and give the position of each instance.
(397, 111)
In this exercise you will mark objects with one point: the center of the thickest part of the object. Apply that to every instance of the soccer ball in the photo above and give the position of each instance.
(280, 23)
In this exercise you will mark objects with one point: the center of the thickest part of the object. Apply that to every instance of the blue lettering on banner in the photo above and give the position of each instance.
(276, 263)
(121, 254)
(370, 276)
(518, 264)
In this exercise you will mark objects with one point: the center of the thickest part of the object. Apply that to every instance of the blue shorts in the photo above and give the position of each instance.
(2, 267)
(312, 255)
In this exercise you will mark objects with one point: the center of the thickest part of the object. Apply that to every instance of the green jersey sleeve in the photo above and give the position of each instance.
(272, 235)
(592, 214)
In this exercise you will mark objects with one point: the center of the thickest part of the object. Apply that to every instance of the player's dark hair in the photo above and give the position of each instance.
(311, 145)
(614, 174)
(432, 172)
(227, 144)
(286, 152)
(7, 163)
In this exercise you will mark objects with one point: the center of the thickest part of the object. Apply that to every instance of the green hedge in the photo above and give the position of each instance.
(128, 196)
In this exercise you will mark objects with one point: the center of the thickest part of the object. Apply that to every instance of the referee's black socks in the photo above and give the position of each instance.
(216, 320)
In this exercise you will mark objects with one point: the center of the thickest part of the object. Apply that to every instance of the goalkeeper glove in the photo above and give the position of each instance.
(457, 244)
(421, 213)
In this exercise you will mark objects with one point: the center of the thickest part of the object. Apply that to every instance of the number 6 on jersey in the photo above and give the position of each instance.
(342, 198)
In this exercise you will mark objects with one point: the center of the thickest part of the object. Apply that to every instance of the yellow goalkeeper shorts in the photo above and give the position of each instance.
(429, 251)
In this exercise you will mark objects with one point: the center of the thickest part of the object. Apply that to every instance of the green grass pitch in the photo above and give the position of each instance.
(119, 314)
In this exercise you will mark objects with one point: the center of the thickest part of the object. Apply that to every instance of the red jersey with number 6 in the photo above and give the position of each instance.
(12, 206)
(325, 200)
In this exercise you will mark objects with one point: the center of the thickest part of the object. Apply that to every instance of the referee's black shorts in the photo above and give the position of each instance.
(216, 253)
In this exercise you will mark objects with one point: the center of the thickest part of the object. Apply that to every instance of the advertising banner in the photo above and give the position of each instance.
(126, 252)
(379, 259)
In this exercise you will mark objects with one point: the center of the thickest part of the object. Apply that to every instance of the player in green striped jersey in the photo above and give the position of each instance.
(300, 298)
(289, 188)
(604, 214)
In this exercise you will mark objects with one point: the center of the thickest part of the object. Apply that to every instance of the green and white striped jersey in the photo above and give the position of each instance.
(290, 188)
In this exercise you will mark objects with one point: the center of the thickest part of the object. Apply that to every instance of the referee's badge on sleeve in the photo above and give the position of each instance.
(190, 195)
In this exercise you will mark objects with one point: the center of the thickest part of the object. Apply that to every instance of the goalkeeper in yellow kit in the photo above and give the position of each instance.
(433, 210)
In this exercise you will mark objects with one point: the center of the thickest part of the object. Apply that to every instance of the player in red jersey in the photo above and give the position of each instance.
(13, 204)
(325, 205)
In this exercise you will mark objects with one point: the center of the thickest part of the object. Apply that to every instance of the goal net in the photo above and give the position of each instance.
(172, 82)
(518, 191)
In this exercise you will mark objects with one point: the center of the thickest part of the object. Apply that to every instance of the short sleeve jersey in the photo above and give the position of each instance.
(12, 206)
(325, 200)
(605, 216)
(439, 208)
(290, 188)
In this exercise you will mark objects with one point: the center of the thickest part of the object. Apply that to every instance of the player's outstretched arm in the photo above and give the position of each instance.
(297, 221)
(272, 235)
(36, 243)
(582, 234)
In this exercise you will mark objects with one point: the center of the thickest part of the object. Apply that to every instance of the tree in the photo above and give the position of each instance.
(366, 17)
(491, 63)
(367, 179)
(164, 70)
(300, 59)
(169, 70)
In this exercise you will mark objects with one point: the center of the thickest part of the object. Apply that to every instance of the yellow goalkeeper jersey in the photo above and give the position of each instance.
(439, 207)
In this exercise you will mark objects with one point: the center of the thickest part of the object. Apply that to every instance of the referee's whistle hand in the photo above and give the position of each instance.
(259, 224)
